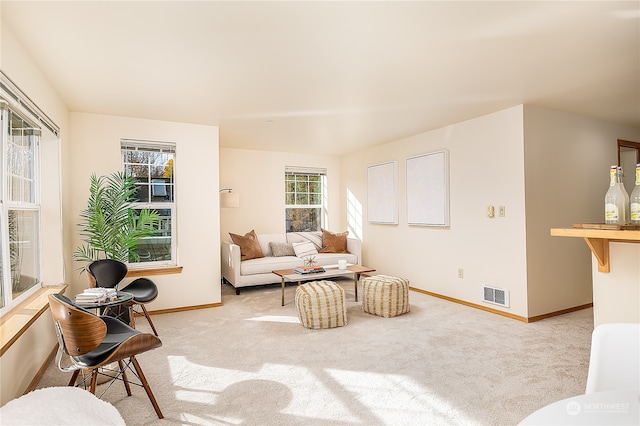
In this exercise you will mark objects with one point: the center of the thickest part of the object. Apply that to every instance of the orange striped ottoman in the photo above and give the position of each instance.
(385, 296)
(321, 304)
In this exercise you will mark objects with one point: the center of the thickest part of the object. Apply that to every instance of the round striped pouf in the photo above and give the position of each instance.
(321, 304)
(385, 296)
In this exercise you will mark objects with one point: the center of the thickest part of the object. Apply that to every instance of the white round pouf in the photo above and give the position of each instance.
(60, 406)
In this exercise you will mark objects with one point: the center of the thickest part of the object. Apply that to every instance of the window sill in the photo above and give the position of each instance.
(161, 270)
(16, 322)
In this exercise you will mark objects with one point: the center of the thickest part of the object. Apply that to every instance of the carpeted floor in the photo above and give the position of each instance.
(251, 362)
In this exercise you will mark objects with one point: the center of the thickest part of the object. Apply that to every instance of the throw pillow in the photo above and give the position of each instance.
(282, 249)
(249, 245)
(304, 249)
(334, 242)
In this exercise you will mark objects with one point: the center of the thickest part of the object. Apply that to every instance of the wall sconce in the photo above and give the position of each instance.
(229, 199)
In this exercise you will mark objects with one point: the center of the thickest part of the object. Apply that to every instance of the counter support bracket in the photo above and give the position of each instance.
(600, 249)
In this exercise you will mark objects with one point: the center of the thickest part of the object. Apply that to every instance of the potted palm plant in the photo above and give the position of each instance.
(109, 225)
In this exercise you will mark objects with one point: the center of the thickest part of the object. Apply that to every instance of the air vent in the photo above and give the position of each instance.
(495, 295)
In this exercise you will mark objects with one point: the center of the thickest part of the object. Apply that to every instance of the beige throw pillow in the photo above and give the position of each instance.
(334, 242)
(281, 249)
(249, 245)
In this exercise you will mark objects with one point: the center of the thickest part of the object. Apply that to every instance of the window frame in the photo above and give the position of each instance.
(306, 171)
(127, 145)
(7, 204)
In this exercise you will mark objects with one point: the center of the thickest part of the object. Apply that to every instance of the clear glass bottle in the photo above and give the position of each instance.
(616, 200)
(634, 200)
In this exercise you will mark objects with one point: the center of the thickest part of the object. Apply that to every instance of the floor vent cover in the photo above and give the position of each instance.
(495, 295)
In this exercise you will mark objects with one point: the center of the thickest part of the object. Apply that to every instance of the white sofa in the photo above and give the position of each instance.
(254, 272)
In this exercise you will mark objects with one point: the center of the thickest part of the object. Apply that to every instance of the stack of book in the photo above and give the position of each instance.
(96, 295)
(308, 269)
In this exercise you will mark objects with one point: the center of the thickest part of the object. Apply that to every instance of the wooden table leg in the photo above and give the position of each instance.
(356, 278)
(282, 291)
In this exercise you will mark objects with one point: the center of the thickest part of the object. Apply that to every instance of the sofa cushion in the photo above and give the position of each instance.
(281, 249)
(304, 249)
(334, 242)
(249, 245)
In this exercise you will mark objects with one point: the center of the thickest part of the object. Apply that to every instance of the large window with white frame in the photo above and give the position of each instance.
(20, 247)
(305, 198)
(152, 165)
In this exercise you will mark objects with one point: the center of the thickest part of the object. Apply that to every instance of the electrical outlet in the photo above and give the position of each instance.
(501, 211)
(491, 212)
(460, 273)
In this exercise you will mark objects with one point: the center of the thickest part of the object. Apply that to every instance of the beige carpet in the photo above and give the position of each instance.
(250, 362)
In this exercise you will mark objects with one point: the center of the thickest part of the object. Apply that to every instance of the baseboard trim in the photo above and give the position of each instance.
(185, 308)
(502, 313)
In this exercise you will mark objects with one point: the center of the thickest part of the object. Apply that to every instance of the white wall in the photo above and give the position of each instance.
(96, 149)
(486, 168)
(567, 160)
(258, 178)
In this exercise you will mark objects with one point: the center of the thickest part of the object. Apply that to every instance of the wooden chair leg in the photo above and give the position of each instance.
(146, 386)
(94, 381)
(125, 380)
(146, 314)
(74, 377)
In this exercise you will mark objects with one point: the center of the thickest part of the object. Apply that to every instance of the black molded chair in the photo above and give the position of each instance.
(144, 291)
(110, 272)
(107, 272)
(93, 342)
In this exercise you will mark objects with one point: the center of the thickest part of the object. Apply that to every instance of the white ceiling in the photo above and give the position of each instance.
(333, 77)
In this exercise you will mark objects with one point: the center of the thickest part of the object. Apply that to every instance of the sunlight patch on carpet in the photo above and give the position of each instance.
(276, 318)
(290, 390)
(394, 397)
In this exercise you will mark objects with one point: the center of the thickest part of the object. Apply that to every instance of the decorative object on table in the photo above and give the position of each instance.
(95, 295)
(314, 269)
(321, 304)
(634, 200)
(616, 200)
(342, 264)
(385, 296)
(109, 226)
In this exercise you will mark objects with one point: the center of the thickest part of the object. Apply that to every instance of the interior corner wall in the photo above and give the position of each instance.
(256, 176)
(567, 160)
(96, 149)
(486, 168)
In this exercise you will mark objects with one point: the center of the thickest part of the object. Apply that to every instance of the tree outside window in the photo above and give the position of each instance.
(304, 200)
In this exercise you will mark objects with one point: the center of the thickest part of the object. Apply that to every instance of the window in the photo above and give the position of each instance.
(20, 269)
(152, 165)
(305, 190)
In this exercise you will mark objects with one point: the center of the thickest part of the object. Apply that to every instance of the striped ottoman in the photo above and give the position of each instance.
(321, 304)
(385, 296)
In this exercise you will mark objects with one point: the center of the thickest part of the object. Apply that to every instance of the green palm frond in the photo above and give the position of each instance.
(109, 226)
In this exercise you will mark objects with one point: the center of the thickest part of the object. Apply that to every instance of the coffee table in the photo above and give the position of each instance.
(289, 275)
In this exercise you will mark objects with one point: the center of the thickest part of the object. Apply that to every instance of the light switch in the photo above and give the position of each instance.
(491, 212)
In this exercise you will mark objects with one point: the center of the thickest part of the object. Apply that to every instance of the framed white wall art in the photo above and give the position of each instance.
(428, 189)
(382, 193)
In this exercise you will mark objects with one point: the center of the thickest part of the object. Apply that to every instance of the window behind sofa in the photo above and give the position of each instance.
(152, 164)
(305, 198)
